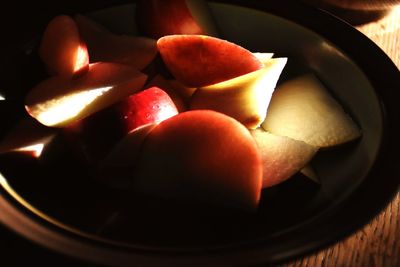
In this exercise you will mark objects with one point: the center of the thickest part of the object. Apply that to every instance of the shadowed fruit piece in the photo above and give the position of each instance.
(184, 91)
(27, 136)
(174, 94)
(149, 106)
(199, 60)
(157, 18)
(62, 49)
(282, 156)
(59, 101)
(309, 172)
(202, 156)
(118, 167)
(245, 98)
(303, 109)
(135, 51)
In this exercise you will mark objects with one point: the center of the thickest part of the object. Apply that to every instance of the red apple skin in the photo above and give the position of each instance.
(62, 49)
(146, 107)
(201, 156)
(198, 60)
(157, 18)
(135, 51)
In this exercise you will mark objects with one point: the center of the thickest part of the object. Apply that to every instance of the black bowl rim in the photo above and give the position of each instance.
(336, 224)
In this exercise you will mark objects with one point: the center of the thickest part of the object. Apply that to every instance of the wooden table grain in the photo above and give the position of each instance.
(378, 243)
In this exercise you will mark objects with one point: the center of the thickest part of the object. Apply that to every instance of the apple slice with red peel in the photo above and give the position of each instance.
(159, 81)
(157, 18)
(59, 101)
(303, 109)
(149, 106)
(204, 156)
(282, 156)
(104, 46)
(62, 49)
(199, 60)
(245, 98)
(27, 136)
(263, 57)
(118, 167)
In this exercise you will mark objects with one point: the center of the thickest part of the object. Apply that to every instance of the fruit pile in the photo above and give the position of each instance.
(179, 113)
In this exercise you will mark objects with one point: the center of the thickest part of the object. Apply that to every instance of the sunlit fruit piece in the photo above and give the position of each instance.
(309, 172)
(303, 109)
(157, 18)
(179, 101)
(245, 98)
(201, 156)
(263, 57)
(118, 166)
(104, 46)
(115, 122)
(282, 156)
(27, 136)
(62, 49)
(59, 101)
(199, 60)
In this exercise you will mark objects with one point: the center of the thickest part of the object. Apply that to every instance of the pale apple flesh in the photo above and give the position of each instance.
(62, 49)
(245, 98)
(282, 157)
(60, 101)
(104, 46)
(199, 60)
(201, 156)
(303, 109)
(310, 173)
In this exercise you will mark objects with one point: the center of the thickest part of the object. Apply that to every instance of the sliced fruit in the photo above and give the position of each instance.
(245, 98)
(157, 18)
(62, 49)
(118, 167)
(199, 60)
(263, 57)
(59, 101)
(282, 156)
(104, 46)
(184, 91)
(203, 156)
(303, 109)
(180, 103)
(28, 136)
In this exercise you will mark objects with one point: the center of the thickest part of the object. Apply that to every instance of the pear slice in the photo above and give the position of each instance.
(282, 156)
(245, 98)
(309, 172)
(303, 109)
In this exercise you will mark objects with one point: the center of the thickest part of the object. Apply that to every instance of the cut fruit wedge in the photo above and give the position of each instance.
(309, 172)
(59, 101)
(245, 98)
(62, 49)
(263, 57)
(28, 136)
(199, 60)
(303, 109)
(282, 156)
(104, 46)
(204, 156)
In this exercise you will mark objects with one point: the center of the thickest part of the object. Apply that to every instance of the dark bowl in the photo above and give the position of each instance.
(58, 206)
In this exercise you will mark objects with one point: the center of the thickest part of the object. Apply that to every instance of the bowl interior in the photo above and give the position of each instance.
(62, 188)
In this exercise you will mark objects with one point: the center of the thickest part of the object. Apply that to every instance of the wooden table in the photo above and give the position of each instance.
(378, 243)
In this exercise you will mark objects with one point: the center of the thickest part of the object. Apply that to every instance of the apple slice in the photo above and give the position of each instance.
(303, 109)
(199, 60)
(100, 132)
(28, 136)
(245, 98)
(201, 156)
(59, 101)
(263, 57)
(62, 49)
(105, 46)
(159, 81)
(157, 18)
(282, 157)
(309, 172)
